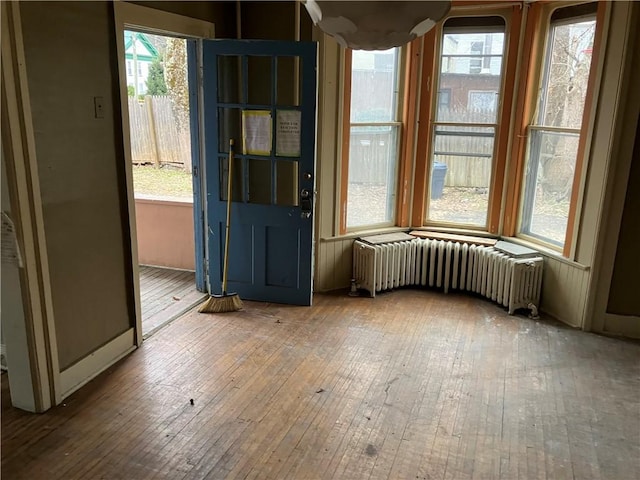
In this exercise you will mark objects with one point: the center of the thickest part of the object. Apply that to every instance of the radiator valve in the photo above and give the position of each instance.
(534, 311)
(354, 289)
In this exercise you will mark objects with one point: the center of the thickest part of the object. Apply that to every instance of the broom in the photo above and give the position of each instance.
(226, 302)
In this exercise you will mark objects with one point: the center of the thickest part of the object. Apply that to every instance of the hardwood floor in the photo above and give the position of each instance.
(409, 385)
(165, 294)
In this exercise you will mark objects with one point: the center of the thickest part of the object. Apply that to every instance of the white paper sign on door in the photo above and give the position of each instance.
(256, 132)
(288, 128)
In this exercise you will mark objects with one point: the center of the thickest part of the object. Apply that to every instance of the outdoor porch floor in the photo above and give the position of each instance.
(165, 294)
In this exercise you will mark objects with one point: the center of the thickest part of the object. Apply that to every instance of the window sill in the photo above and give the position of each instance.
(365, 233)
(545, 251)
(459, 231)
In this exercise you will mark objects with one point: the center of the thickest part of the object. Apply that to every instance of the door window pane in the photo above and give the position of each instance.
(229, 127)
(236, 179)
(287, 183)
(259, 73)
(229, 79)
(288, 81)
(372, 175)
(259, 181)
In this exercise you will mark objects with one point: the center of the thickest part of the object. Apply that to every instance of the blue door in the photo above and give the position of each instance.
(261, 95)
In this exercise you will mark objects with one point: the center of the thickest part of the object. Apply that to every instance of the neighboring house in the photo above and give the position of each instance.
(471, 82)
(139, 53)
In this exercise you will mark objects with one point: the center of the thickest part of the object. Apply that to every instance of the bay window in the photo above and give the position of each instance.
(481, 125)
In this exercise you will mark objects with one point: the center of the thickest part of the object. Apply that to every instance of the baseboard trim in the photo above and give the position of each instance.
(622, 325)
(3, 357)
(97, 362)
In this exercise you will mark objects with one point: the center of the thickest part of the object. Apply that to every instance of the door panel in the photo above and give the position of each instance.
(280, 244)
(273, 85)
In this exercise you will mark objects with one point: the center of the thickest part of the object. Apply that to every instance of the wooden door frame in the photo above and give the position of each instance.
(128, 15)
(19, 151)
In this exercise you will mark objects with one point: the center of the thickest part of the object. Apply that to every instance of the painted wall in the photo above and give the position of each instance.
(81, 169)
(623, 295)
(165, 232)
(268, 20)
(222, 14)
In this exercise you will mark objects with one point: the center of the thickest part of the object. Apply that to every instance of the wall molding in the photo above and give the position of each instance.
(615, 146)
(92, 365)
(18, 144)
(161, 22)
(622, 325)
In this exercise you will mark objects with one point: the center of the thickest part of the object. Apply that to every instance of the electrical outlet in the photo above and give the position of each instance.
(98, 103)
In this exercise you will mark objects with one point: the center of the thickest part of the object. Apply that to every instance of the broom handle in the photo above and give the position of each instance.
(227, 230)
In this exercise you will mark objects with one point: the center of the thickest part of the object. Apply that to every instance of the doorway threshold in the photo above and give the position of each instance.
(165, 294)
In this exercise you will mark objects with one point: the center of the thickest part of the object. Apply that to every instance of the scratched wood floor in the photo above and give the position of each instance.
(165, 293)
(410, 385)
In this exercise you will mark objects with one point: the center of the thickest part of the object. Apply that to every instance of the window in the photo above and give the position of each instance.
(129, 69)
(482, 141)
(373, 144)
(444, 97)
(554, 136)
(139, 68)
(475, 61)
(479, 100)
(466, 121)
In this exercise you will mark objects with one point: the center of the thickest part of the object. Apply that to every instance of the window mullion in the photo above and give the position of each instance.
(376, 124)
(548, 128)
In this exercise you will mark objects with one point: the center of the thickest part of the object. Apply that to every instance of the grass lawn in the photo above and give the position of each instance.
(166, 181)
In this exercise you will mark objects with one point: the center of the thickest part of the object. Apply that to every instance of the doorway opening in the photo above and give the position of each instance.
(161, 155)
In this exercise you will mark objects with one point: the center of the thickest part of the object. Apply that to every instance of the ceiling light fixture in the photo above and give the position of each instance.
(375, 25)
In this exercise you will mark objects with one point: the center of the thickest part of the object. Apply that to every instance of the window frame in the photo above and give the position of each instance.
(407, 89)
(536, 46)
(513, 24)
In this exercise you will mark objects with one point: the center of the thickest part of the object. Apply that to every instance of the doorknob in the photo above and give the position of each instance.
(306, 204)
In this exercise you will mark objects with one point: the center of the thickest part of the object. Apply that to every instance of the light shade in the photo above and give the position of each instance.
(375, 25)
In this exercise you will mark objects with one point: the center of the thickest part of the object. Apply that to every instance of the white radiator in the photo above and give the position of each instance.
(511, 282)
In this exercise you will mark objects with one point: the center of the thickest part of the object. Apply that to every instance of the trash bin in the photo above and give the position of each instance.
(438, 173)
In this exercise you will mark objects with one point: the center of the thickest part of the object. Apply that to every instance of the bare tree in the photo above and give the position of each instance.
(564, 95)
(175, 68)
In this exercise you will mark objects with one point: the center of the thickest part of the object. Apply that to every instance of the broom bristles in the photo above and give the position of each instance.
(227, 302)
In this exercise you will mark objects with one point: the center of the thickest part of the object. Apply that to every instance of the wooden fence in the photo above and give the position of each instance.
(155, 136)
(370, 153)
(466, 151)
